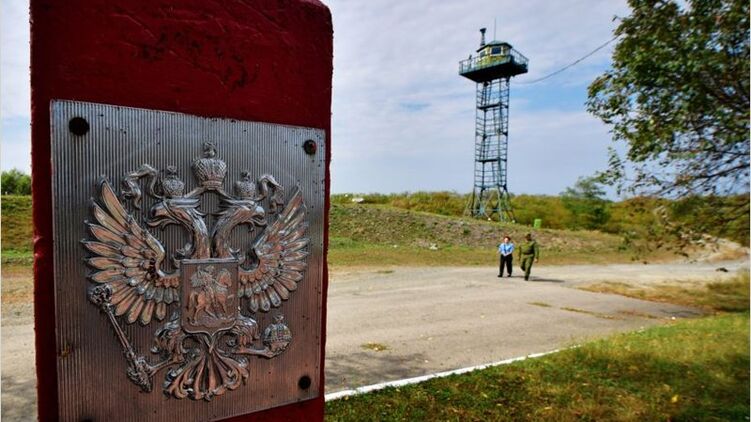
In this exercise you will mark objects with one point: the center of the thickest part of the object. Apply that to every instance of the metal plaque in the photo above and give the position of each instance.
(188, 263)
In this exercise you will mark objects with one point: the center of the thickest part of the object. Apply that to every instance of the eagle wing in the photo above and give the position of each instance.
(127, 258)
(280, 251)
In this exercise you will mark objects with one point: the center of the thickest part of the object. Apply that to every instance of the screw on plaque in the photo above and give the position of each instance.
(310, 147)
(79, 126)
(304, 382)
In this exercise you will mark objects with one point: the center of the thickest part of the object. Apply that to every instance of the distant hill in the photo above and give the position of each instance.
(365, 234)
(635, 217)
(379, 224)
(382, 235)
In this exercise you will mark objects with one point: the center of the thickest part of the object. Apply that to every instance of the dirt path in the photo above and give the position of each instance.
(428, 320)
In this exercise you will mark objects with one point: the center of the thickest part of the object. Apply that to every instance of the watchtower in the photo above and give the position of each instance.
(492, 68)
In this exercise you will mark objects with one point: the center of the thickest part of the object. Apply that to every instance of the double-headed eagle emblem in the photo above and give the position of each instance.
(212, 290)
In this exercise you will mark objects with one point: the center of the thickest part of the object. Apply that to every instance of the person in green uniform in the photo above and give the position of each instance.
(529, 252)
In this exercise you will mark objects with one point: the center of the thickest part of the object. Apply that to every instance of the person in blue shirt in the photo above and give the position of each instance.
(506, 250)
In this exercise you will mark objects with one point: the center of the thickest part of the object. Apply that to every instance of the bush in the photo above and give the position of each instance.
(15, 182)
(583, 207)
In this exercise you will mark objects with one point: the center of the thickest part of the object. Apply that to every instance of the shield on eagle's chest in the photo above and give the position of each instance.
(210, 302)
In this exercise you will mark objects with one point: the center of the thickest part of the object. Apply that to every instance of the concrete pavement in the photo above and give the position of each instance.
(429, 320)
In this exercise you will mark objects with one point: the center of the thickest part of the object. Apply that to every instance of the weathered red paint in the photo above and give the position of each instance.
(267, 60)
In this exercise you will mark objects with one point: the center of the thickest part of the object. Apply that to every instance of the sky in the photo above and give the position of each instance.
(402, 117)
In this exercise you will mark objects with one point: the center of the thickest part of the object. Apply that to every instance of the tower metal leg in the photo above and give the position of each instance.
(490, 198)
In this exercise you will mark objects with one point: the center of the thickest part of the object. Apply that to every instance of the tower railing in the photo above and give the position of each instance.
(492, 69)
(481, 62)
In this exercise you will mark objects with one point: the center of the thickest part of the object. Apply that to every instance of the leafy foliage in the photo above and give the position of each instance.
(15, 182)
(443, 203)
(649, 223)
(549, 209)
(678, 96)
(587, 204)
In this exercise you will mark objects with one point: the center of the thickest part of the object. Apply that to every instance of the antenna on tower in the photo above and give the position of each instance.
(494, 22)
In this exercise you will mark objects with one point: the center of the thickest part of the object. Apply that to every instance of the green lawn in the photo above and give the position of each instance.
(15, 215)
(694, 370)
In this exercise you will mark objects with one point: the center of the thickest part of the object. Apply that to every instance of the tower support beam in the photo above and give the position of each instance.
(491, 69)
(490, 197)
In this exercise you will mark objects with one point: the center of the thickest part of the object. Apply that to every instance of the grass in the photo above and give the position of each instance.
(368, 235)
(634, 216)
(691, 370)
(721, 296)
(376, 347)
(10, 256)
(17, 234)
(363, 254)
(378, 235)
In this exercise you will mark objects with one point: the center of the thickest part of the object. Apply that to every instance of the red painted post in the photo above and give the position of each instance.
(268, 60)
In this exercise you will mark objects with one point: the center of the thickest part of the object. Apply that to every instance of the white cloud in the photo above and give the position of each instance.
(553, 148)
(391, 53)
(16, 148)
(14, 60)
(402, 116)
(15, 109)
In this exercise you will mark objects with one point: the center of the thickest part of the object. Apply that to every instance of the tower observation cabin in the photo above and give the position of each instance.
(494, 64)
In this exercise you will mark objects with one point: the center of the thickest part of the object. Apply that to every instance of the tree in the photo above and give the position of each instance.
(14, 182)
(678, 96)
(587, 204)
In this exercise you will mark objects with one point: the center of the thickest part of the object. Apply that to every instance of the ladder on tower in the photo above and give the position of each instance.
(490, 196)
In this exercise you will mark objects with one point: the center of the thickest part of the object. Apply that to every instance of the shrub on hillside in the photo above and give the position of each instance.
(583, 208)
(549, 209)
(587, 204)
(15, 182)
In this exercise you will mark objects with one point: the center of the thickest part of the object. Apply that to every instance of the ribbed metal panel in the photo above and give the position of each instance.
(92, 382)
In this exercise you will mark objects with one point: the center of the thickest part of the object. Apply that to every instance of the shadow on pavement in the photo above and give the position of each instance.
(365, 368)
(533, 279)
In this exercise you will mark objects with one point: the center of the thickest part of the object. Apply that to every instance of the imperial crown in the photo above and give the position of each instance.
(172, 186)
(209, 171)
(245, 188)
